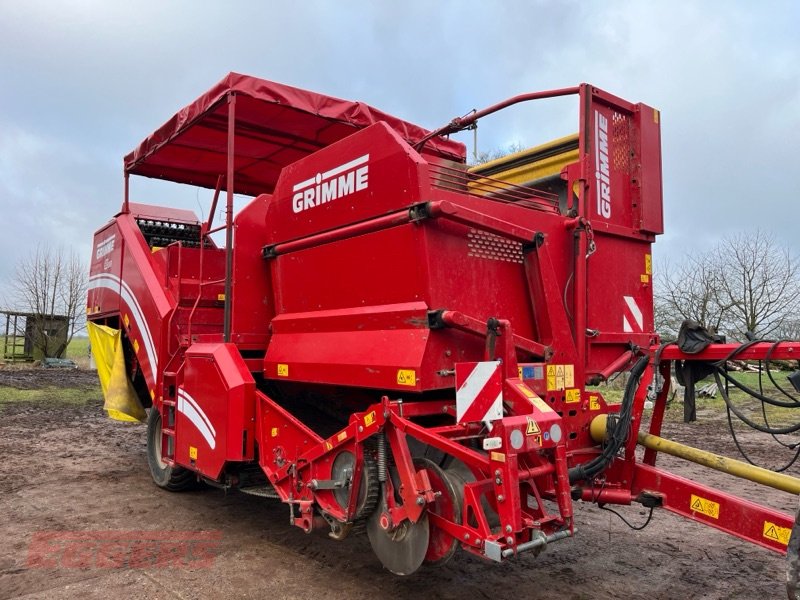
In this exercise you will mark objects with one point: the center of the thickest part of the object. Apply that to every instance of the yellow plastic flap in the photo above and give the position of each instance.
(121, 402)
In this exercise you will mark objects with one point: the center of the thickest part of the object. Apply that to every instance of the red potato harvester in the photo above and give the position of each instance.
(395, 340)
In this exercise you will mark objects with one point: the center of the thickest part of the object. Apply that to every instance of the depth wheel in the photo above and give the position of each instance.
(448, 505)
(401, 550)
(368, 488)
(174, 479)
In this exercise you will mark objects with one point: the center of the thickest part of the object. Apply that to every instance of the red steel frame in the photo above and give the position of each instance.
(528, 487)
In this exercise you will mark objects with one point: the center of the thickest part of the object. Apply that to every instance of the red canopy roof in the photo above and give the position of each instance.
(275, 126)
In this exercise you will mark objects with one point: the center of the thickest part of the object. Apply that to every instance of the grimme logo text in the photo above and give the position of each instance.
(338, 182)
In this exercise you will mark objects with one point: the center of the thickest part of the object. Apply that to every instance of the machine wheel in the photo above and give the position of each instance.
(401, 550)
(442, 546)
(368, 489)
(174, 479)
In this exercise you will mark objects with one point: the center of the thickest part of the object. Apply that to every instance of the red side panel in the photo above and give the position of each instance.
(370, 173)
(648, 121)
(127, 281)
(215, 417)
(624, 206)
(252, 302)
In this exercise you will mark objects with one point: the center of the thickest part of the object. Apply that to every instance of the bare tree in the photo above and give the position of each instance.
(789, 330)
(50, 283)
(761, 283)
(689, 291)
(490, 155)
(748, 282)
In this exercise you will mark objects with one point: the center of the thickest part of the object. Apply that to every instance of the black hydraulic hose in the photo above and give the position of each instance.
(767, 358)
(619, 435)
(740, 415)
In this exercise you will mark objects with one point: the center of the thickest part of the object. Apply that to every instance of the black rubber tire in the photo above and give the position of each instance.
(174, 479)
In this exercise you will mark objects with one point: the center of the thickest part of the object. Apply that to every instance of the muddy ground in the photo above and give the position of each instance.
(66, 467)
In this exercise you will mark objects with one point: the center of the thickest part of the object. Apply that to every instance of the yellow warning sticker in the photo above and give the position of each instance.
(406, 377)
(274, 432)
(704, 506)
(127, 320)
(560, 377)
(569, 376)
(152, 395)
(533, 427)
(519, 372)
(533, 398)
(136, 346)
(283, 370)
(220, 297)
(526, 390)
(342, 436)
(644, 278)
(328, 445)
(192, 453)
(497, 456)
(594, 403)
(573, 395)
(551, 377)
(777, 533)
(648, 264)
(369, 418)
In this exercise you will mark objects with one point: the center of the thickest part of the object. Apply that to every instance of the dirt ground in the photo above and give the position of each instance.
(66, 467)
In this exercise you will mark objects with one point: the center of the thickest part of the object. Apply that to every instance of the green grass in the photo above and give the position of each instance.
(48, 395)
(78, 348)
(751, 407)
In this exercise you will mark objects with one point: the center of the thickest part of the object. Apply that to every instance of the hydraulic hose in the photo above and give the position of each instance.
(621, 428)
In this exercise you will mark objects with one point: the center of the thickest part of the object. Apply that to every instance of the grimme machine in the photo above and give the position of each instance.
(393, 340)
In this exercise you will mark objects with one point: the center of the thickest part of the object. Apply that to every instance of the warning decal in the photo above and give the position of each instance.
(406, 377)
(533, 398)
(704, 506)
(560, 377)
(533, 427)
(283, 370)
(594, 403)
(776, 533)
(573, 395)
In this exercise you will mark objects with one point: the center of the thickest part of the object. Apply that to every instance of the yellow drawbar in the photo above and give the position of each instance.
(121, 402)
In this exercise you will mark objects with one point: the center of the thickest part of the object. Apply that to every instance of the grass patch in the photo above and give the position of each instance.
(749, 406)
(49, 395)
(78, 348)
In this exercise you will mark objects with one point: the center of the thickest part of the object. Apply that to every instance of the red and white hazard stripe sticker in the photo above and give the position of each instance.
(479, 392)
(632, 319)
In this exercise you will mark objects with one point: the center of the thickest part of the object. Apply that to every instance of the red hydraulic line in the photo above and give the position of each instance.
(384, 222)
(617, 365)
(125, 202)
(459, 123)
(214, 205)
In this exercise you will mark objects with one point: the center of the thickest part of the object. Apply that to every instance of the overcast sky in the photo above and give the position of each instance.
(83, 82)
